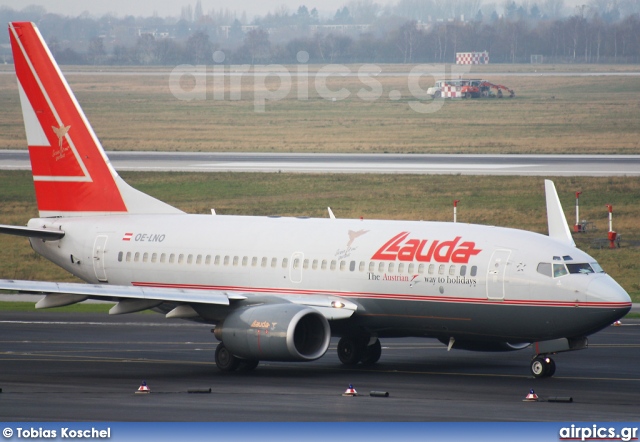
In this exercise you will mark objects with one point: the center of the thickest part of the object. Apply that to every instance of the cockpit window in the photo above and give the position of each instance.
(583, 268)
(559, 270)
(567, 258)
(596, 267)
(544, 268)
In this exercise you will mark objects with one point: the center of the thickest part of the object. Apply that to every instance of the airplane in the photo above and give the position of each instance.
(279, 288)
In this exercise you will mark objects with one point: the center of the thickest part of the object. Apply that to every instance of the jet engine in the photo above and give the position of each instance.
(275, 332)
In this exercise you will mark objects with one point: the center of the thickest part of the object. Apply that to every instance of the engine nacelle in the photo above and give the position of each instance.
(473, 345)
(275, 332)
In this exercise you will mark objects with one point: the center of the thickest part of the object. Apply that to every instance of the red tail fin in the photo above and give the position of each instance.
(71, 172)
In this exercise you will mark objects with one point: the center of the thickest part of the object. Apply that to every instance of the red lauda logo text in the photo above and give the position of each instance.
(402, 249)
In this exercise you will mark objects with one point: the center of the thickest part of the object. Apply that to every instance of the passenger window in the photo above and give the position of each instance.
(421, 268)
(296, 263)
(361, 266)
(391, 267)
(254, 261)
(324, 264)
(136, 257)
(410, 269)
(559, 270)
(199, 259)
(226, 260)
(207, 260)
(285, 263)
(343, 265)
(441, 269)
(372, 266)
(452, 270)
(145, 257)
(245, 261)
(432, 268)
(120, 256)
(235, 260)
(274, 262)
(189, 259)
(154, 257)
(172, 258)
(180, 258)
(401, 267)
(163, 258)
(128, 256)
(305, 264)
(381, 267)
(474, 270)
(263, 263)
(333, 265)
(544, 268)
(463, 270)
(216, 261)
(314, 266)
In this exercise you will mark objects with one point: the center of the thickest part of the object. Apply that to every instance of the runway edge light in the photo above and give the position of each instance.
(143, 388)
(350, 391)
(531, 397)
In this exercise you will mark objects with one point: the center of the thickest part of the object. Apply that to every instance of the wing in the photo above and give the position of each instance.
(132, 299)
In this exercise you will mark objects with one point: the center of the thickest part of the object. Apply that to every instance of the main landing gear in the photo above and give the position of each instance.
(354, 350)
(228, 362)
(542, 366)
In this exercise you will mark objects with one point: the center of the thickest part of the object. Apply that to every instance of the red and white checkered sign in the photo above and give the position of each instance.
(472, 57)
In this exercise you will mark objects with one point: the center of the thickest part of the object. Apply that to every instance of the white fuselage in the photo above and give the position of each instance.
(407, 277)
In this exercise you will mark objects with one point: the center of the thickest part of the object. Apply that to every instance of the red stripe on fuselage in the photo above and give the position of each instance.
(388, 296)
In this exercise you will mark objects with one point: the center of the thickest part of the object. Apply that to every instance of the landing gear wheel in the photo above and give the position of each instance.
(248, 364)
(552, 367)
(225, 360)
(542, 367)
(371, 353)
(350, 350)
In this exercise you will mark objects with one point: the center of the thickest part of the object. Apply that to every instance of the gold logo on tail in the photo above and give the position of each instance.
(60, 133)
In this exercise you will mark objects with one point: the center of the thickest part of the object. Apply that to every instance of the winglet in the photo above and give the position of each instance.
(558, 227)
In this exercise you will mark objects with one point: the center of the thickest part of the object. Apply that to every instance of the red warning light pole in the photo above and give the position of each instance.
(455, 210)
(577, 227)
(612, 235)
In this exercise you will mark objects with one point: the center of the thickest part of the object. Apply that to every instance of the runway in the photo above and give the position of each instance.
(520, 165)
(75, 367)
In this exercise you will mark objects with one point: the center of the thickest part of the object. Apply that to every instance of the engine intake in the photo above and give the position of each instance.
(275, 332)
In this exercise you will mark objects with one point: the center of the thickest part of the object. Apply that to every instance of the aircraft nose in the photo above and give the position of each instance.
(606, 290)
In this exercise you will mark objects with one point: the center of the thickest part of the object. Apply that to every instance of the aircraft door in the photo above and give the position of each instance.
(295, 268)
(496, 272)
(99, 250)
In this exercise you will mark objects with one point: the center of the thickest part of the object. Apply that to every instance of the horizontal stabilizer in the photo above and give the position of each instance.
(51, 235)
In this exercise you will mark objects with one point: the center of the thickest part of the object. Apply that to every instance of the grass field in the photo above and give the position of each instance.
(550, 114)
(503, 201)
